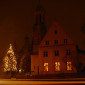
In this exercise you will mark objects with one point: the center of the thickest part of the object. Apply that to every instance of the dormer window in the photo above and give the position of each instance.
(47, 42)
(65, 41)
(55, 31)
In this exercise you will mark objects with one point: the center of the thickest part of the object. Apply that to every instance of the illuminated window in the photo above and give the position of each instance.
(69, 66)
(57, 66)
(45, 66)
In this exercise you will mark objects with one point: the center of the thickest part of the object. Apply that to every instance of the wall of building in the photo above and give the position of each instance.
(62, 47)
(62, 58)
(34, 64)
(50, 48)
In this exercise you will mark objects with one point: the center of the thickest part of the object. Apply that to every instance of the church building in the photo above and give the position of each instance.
(54, 52)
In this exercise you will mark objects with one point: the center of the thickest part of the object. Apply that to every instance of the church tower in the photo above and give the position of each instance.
(39, 29)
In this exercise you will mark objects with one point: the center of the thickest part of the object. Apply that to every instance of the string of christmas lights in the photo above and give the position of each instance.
(10, 63)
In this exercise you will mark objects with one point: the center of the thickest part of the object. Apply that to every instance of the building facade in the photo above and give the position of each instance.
(57, 53)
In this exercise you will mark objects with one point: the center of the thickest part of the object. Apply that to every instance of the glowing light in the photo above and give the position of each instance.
(45, 66)
(10, 63)
(57, 66)
(69, 67)
(20, 70)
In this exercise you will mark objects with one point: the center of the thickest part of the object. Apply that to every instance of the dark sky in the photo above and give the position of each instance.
(17, 19)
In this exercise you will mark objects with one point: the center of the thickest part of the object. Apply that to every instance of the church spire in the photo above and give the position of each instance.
(39, 29)
(39, 14)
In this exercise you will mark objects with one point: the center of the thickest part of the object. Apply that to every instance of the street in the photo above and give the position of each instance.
(41, 82)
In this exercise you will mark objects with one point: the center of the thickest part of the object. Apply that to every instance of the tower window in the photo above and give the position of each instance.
(65, 41)
(55, 31)
(45, 54)
(45, 66)
(57, 53)
(47, 42)
(69, 66)
(56, 41)
(68, 52)
(57, 66)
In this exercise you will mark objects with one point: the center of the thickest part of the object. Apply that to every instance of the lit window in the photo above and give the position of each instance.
(45, 66)
(45, 54)
(69, 66)
(57, 66)
(56, 41)
(57, 53)
(65, 41)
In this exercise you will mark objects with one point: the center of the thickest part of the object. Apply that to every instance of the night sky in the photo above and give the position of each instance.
(17, 19)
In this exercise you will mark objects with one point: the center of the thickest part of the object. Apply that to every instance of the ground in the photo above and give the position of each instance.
(41, 81)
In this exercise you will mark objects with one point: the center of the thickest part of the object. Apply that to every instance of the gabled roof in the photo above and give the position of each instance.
(60, 35)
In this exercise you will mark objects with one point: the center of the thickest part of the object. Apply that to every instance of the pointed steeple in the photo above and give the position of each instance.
(39, 15)
(39, 29)
(39, 7)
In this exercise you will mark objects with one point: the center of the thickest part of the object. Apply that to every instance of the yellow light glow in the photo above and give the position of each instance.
(57, 66)
(20, 70)
(45, 66)
(69, 66)
(10, 63)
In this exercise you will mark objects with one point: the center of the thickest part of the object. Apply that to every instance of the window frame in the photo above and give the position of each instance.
(46, 42)
(56, 42)
(46, 68)
(57, 65)
(68, 52)
(69, 67)
(45, 53)
(55, 32)
(56, 52)
(65, 41)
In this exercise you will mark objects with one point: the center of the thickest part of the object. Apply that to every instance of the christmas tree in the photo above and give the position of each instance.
(10, 63)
